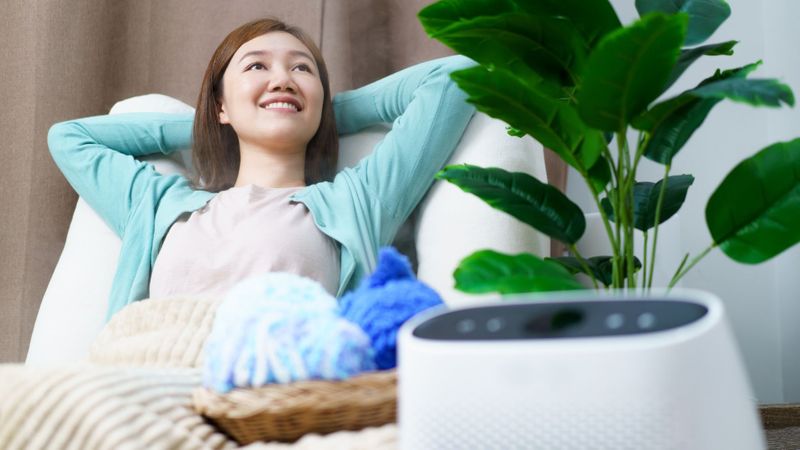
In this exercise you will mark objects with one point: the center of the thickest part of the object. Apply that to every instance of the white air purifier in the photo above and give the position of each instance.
(576, 371)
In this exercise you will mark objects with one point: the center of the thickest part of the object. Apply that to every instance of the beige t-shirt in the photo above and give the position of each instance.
(241, 232)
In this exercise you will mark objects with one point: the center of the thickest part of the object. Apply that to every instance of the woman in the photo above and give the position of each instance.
(264, 141)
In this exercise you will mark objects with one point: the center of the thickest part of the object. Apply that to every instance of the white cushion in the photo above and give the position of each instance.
(451, 224)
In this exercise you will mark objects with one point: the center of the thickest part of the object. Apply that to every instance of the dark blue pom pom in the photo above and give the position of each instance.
(392, 265)
(384, 301)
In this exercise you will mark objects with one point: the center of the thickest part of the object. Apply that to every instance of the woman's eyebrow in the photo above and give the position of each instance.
(266, 52)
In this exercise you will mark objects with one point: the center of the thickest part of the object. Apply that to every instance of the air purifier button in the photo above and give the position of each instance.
(466, 326)
(646, 320)
(615, 321)
(494, 324)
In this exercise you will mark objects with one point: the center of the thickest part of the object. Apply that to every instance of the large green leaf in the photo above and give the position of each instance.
(600, 174)
(537, 204)
(672, 122)
(677, 120)
(490, 271)
(530, 106)
(444, 13)
(705, 16)
(601, 267)
(754, 214)
(549, 46)
(755, 92)
(645, 201)
(690, 55)
(593, 18)
(629, 69)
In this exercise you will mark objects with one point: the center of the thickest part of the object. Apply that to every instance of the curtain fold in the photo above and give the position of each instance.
(66, 59)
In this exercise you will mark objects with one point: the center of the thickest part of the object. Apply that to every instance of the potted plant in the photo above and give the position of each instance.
(570, 75)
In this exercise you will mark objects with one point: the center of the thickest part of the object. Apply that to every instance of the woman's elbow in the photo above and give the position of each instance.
(446, 66)
(61, 134)
(457, 62)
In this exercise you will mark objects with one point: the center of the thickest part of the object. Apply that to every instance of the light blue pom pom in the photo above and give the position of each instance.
(279, 328)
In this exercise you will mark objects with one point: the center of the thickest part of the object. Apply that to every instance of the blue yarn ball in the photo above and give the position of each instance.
(392, 266)
(279, 328)
(386, 300)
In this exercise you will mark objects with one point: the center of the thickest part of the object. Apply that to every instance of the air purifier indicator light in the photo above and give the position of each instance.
(494, 324)
(615, 321)
(466, 326)
(646, 320)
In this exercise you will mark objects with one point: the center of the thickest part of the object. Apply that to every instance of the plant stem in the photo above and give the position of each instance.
(625, 206)
(617, 279)
(680, 266)
(640, 151)
(610, 159)
(606, 222)
(584, 265)
(612, 201)
(630, 181)
(694, 261)
(644, 260)
(657, 219)
(603, 215)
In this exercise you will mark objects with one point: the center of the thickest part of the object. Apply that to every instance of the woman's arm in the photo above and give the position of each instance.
(429, 114)
(96, 155)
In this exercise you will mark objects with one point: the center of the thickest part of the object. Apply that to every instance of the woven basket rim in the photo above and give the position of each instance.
(366, 389)
(314, 406)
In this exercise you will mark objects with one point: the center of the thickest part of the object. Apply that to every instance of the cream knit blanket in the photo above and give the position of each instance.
(135, 392)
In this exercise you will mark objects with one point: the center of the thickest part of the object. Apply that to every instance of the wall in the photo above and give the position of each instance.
(762, 301)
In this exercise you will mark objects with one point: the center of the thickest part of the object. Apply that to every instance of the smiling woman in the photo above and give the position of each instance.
(238, 141)
(265, 144)
(273, 100)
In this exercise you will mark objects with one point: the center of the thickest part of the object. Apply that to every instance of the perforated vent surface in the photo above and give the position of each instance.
(466, 425)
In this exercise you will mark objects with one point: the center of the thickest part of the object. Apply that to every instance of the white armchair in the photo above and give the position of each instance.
(450, 224)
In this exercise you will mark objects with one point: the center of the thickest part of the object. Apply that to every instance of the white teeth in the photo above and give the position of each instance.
(280, 105)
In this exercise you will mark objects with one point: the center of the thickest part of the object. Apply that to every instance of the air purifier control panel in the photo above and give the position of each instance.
(560, 320)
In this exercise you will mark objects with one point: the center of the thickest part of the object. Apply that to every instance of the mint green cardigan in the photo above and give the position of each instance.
(361, 209)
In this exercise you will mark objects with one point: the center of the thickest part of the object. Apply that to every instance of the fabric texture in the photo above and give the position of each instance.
(361, 209)
(95, 407)
(242, 232)
(164, 332)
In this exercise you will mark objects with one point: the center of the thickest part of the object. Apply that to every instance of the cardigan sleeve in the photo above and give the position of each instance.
(96, 155)
(428, 113)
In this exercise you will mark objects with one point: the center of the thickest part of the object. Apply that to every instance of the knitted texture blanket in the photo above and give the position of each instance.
(135, 391)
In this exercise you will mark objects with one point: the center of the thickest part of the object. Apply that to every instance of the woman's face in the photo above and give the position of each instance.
(272, 93)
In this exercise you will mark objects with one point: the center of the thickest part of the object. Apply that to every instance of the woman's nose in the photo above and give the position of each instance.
(281, 80)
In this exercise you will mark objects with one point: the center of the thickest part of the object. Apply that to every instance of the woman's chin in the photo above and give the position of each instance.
(287, 137)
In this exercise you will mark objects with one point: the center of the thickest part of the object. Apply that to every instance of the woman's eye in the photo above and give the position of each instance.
(303, 67)
(258, 66)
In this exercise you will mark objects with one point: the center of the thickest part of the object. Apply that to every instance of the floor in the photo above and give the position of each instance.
(784, 438)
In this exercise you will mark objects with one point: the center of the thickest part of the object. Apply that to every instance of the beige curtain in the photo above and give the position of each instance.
(63, 59)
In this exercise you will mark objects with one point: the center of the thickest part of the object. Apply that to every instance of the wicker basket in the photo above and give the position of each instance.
(285, 412)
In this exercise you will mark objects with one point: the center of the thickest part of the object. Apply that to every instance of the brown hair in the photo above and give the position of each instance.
(215, 149)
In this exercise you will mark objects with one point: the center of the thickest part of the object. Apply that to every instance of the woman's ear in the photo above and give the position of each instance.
(223, 116)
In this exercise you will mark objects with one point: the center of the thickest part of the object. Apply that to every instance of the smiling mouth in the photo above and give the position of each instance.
(281, 106)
